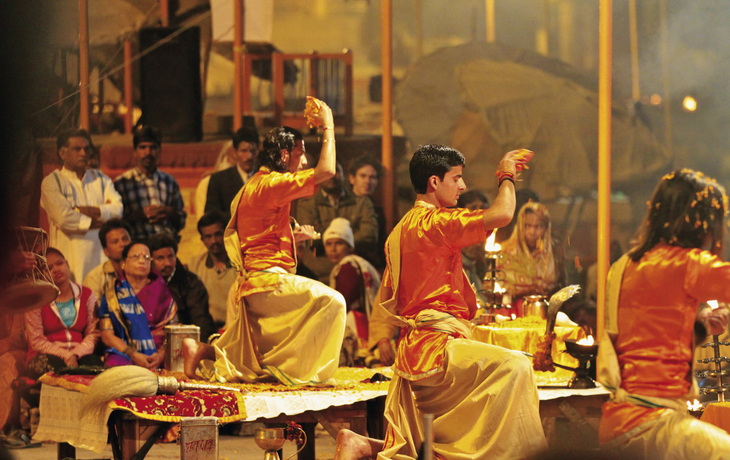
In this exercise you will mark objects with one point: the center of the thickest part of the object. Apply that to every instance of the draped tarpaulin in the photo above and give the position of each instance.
(486, 99)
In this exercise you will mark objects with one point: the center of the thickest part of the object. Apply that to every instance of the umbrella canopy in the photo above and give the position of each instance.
(486, 99)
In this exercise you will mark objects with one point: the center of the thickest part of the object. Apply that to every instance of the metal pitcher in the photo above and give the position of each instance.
(535, 305)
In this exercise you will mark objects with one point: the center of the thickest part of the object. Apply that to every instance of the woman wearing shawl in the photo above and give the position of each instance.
(133, 314)
(353, 277)
(530, 262)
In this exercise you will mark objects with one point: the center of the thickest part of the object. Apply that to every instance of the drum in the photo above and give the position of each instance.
(35, 288)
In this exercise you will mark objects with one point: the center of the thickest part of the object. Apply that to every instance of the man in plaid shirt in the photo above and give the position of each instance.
(152, 199)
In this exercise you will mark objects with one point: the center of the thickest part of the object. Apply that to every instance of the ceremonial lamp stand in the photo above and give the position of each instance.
(718, 373)
(494, 293)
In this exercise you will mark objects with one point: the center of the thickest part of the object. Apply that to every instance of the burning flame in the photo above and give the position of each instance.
(586, 341)
(696, 405)
(491, 246)
(499, 289)
(513, 316)
(713, 305)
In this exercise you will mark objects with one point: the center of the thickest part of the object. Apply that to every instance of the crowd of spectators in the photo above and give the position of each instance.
(113, 255)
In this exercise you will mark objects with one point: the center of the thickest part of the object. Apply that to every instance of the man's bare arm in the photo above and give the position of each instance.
(321, 116)
(500, 213)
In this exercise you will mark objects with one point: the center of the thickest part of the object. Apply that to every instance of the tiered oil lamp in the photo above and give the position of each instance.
(718, 373)
(492, 291)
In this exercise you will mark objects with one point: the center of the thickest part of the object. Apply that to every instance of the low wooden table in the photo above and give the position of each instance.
(133, 431)
(578, 410)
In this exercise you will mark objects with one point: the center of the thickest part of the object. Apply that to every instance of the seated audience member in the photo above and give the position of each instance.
(187, 289)
(62, 334)
(114, 236)
(213, 267)
(364, 174)
(473, 257)
(133, 314)
(353, 277)
(334, 200)
(645, 356)
(522, 196)
(531, 263)
(224, 185)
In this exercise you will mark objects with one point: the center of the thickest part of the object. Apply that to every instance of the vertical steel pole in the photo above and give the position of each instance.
(491, 37)
(128, 99)
(386, 21)
(604, 157)
(238, 64)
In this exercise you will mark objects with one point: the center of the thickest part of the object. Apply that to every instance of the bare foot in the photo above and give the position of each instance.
(193, 353)
(352, 446)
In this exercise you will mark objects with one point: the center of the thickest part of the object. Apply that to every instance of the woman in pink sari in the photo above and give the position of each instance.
(134, 313)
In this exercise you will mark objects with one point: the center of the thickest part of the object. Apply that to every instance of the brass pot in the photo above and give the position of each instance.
(535, 305)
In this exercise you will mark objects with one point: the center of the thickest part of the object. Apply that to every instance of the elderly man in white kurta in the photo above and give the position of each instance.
(78, 201)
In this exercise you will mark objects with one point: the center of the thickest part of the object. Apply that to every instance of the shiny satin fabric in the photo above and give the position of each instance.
(432, 277)
(260, 221)
(485, 405)
(658, 303)
(483, 397)
(285, 326)
(673, 435)
(293, 334)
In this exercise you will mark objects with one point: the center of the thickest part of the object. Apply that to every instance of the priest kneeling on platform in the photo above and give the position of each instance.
(287, 326)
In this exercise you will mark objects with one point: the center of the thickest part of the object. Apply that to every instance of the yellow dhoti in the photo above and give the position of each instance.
(674, 435)
(485, 405)
(293, 333)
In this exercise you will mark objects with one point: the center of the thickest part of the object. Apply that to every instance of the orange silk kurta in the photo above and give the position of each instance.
(262, 224)
(659, 299)
(432, 277)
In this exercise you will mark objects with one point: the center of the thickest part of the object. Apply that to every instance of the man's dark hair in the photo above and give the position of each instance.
(127, 248)
(278, 139)
(365, 160)
(687, 207)
(161, 240)
(470, 196)
(246, 134)
(146, 133)
(63, 138)
(433, 160)
(214, 216)
(112, 224)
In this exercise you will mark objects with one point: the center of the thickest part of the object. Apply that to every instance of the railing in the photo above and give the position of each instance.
(293, 77)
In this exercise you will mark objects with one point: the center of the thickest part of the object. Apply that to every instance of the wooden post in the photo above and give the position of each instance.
(164, 13)
(238, 64)
(386, 25)
(84, 64)
(634, 37)
(128, 97)
(604, 158)
(491, 37)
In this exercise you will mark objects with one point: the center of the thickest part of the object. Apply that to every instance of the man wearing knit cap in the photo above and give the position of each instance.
(353, 277)
(152, 199)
